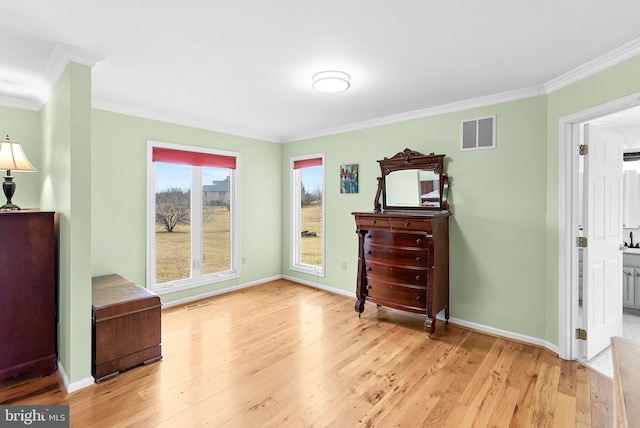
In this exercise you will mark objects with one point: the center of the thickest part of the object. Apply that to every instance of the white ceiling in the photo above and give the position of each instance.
(245, 66)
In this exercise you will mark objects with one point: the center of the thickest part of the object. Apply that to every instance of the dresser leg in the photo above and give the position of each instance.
(359, 306)
(430, 326)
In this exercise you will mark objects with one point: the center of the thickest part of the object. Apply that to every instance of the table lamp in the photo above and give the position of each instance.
(12, 158)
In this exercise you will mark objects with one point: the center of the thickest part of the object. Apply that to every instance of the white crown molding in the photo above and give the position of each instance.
(162, 117)
(616, 56)
(62, 55)
(21, 103)
(493, 99)
(623, 53)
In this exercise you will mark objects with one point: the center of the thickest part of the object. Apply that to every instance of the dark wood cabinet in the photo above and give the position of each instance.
(126, 326)
(27, 293)
(403, 249)
(403, 262)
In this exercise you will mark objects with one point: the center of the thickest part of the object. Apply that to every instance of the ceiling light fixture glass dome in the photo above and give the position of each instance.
(331, 82)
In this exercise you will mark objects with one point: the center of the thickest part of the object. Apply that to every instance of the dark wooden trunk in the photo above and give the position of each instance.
(126, 326)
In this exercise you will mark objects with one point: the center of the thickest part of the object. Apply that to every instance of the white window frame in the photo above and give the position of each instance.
(197, 279)
(295, 263)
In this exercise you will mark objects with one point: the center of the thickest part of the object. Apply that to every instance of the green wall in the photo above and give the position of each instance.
(497, 231)
(609, 85)
(66, 189)
(119, 147)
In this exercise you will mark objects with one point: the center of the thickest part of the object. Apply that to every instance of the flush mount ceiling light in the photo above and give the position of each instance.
(331, 82)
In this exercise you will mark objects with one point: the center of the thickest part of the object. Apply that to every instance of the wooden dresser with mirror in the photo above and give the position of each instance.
(403, 249)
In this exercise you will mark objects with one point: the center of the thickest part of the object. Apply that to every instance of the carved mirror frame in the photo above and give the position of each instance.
(411, 160)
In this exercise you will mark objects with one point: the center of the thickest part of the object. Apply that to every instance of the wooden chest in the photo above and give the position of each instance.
(126, 326)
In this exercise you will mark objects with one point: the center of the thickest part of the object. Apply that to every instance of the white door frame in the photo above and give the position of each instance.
(568, 219)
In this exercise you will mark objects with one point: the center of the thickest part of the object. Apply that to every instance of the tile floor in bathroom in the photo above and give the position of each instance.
(603, 362)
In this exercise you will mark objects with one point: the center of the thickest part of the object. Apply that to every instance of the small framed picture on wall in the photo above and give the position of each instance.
(349, 178)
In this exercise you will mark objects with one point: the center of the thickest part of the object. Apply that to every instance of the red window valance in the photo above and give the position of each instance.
(161, 154)
(306, 163)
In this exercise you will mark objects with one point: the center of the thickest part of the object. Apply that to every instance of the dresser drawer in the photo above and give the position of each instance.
(397, 295)
(423, 225)
(372, 222)
(379, 237)
(396, 274)
(413, 257)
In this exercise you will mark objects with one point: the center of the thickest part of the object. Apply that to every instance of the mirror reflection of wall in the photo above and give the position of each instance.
(403, 188)
(413, 188)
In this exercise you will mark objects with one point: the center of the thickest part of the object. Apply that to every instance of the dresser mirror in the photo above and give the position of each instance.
(412, 181)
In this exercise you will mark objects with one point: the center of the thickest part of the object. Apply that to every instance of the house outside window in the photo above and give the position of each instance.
(192, 216)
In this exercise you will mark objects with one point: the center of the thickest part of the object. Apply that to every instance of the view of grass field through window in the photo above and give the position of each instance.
(311, 220)
(173, 249)
(311, 215)
(173, 231)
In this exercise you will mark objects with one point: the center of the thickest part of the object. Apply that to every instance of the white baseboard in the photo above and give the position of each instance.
(505, 333)
(440, 316)
(73, 386)
(218, 292)
(339, 291)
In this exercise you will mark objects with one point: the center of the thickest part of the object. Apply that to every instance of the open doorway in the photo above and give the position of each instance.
(619, 117)
(625, 124)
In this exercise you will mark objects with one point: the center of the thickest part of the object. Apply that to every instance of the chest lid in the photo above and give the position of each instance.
(113, 295)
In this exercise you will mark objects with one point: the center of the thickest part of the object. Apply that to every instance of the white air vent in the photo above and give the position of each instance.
(478, 133)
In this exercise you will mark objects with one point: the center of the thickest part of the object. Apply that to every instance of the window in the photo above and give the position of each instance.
(192, 216)
(307, 214)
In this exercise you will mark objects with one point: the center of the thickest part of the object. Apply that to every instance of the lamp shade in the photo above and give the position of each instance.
(12, 157)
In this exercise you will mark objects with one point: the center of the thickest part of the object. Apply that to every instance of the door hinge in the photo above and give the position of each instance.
(581, 242)
(583, 149)
(581, 334)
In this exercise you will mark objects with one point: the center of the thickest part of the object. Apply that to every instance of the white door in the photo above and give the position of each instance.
(602, 273)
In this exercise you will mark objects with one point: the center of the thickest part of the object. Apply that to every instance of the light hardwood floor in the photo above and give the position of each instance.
(282, 354)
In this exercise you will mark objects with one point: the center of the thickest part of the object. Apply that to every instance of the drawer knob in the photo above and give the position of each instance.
(368, 287)
(407, 223)
(373, 221)
(418, 277)
(419, 298)
(419, 259)
(368, 269)
(369, 252)
(418, 241)
(369, 236)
